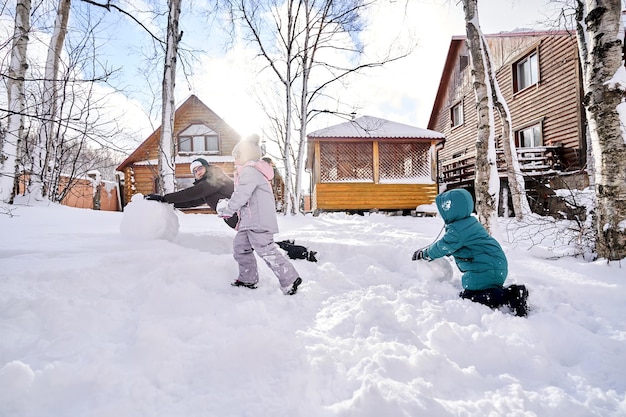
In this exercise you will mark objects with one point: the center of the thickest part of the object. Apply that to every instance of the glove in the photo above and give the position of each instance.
(154, 197)
(221, 208)
(418, 255)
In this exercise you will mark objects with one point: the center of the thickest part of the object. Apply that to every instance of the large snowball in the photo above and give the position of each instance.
(149, 220)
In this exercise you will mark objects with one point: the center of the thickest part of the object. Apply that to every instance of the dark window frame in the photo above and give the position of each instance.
(457, 117)
(526, 71)
(207, 142)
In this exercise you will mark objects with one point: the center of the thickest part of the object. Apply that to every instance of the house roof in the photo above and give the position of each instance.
(374, 127)
(140, 153)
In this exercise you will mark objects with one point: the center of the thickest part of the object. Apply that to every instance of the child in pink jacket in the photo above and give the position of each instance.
(253, 201)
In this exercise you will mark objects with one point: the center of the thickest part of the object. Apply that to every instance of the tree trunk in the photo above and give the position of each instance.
(487, 182)
(602, 98)
(583, 53)
(167, 152)
(513, 170)
(10, 152)
(46, 139)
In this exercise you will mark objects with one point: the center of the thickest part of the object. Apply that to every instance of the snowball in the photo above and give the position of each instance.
(149, 220)
(439, 269)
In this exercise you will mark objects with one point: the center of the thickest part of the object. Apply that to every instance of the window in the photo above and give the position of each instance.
(527, 72)
(463, 62)
(456, 115)
(530, 137)
(198, 138)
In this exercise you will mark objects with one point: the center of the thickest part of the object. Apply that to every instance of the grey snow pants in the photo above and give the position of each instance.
(246, 242)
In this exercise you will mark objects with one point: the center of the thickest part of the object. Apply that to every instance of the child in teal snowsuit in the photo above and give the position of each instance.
(478, 255)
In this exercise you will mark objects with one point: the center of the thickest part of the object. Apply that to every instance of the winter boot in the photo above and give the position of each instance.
(238, 283)
(294, 286)
(517, 296)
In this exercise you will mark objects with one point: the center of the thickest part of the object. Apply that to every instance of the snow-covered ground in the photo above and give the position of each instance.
(99, 318)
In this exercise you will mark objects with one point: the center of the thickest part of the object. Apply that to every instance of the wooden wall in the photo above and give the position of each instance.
(369, 196)
(555, 100)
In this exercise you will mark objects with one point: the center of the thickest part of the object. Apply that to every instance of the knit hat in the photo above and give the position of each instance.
(248, 149)
(198, 162)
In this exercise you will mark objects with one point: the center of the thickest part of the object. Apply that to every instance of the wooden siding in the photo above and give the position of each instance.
(369, 196)
(81, 193)
(555, 101)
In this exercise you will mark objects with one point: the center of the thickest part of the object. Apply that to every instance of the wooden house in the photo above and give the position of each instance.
(86, 192)
(370, 163)
(539, 76)
(198, 132)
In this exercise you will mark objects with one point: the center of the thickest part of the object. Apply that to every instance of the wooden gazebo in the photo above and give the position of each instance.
(370, 163)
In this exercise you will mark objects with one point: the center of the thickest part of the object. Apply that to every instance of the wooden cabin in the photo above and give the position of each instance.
(539, 76)
(370, 163)
(198, 132)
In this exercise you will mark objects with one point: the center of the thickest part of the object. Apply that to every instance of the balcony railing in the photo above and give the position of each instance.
(535, 161)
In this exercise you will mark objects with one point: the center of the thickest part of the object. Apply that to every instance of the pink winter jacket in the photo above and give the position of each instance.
(253, 198)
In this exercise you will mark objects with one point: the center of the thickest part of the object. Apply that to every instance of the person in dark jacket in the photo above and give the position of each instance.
(211, 185)
(478, 255)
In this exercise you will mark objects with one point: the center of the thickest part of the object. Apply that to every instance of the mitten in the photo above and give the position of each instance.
(221, 209)
(419, 255)
(155, 197)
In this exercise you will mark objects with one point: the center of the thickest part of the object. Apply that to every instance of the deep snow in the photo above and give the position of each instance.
(98, 318)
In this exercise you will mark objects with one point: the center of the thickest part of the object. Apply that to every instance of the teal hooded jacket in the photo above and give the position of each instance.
(478, 255)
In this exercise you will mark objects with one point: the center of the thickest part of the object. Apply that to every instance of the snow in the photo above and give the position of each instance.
(99, 318)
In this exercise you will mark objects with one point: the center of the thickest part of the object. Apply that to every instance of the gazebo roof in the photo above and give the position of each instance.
(374, 127)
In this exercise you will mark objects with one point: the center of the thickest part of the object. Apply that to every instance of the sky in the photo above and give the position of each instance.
(403, 91)
(132, 314)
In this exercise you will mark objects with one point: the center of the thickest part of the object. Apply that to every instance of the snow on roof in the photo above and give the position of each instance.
(374, 127)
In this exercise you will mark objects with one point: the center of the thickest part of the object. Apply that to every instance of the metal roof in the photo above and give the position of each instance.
(374, 127)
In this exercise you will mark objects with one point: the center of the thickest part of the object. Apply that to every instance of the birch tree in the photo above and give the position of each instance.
(46, 139)
(487, 182)
(9, 153)
(166, 164)
(601, 47)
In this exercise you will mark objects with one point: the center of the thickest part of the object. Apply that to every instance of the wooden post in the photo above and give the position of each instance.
(376, 162)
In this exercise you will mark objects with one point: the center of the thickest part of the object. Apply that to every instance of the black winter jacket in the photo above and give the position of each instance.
(213, 186)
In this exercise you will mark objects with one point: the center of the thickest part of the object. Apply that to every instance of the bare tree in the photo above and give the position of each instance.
(291, 36)
(45, 143)
(11, 145)
(64, 99)
(601, 47)
(487, 182)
